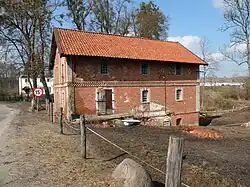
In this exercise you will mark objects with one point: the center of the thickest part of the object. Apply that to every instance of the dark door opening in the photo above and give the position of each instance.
(104, 100)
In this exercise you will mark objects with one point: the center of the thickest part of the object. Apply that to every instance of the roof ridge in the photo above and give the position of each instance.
(110, 34)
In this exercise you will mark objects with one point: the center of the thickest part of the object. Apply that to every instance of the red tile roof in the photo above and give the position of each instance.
(74, 42)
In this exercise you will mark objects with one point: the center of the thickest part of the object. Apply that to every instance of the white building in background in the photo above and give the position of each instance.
(23, 82)
(222, 84)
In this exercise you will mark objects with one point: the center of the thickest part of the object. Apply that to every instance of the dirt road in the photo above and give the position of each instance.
(6, 116)
(34, 154)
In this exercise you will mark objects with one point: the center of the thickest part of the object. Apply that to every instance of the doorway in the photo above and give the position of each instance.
(105, 101)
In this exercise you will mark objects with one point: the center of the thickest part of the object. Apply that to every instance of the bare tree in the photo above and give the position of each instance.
(150, 22)
(110, 16)
(213, 63)
(79, 11)
(237, 22)
(26, 26)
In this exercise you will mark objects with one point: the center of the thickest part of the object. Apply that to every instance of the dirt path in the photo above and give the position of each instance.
(34, 154)
(6, 116)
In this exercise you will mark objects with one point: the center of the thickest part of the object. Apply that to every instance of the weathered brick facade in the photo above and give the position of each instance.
(97, 73)
(77, 79)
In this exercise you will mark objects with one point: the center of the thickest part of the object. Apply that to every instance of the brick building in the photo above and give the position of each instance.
(106, 74)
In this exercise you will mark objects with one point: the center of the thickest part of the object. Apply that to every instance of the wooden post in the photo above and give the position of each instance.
(47, 106)
(37, 104)
(83, 136)
(51, 112)
(60, 120)
(174, 162)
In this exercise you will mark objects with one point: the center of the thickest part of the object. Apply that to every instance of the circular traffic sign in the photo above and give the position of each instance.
(38, 92)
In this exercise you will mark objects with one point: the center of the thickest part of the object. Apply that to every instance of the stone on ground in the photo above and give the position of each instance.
(134, 174)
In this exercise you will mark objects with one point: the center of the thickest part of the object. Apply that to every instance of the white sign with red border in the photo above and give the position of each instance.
(38, 92)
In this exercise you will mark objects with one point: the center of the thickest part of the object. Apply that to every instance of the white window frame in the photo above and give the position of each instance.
(181, 65)
(148, 96)
(148, 70)
(181, 96)
(113, 98)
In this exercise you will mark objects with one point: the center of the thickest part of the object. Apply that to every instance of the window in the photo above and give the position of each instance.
(26, 80)
(179, 94)
(145, 96)
(178, 69)
(62, 72)
(178, 121)
(104, 68)
(47, 80)
(145, 69)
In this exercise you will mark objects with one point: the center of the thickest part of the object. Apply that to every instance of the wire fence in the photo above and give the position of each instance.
(70, 125)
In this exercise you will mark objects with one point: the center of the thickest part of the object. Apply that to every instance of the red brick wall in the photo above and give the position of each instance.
(186, 109)
(88, 68)
(60, 94)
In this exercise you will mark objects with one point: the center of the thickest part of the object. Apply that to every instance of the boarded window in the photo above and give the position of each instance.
(145, 69)
(179, 94)
(178, 69)
(144, 96)
(104, 68)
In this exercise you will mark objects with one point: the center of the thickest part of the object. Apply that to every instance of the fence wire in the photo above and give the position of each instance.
(117, 146)
(129, 153)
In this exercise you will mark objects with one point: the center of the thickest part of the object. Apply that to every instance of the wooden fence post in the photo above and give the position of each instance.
(37, 104)
(47, 106)
(83, 136)
(60, 120)
(51, 112)
(174, 162)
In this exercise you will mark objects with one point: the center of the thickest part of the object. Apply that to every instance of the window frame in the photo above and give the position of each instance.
(181, 69)
(101, 68)
(148, 68)
(181, 94)
(142, 96)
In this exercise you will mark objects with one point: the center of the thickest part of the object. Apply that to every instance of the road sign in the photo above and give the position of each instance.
(38, 92)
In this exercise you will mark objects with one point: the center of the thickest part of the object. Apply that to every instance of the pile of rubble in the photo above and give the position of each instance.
(201, 132)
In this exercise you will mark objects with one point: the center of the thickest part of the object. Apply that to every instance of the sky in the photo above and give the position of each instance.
(190, 20)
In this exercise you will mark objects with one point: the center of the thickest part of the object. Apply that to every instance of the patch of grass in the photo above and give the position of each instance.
(223, 98)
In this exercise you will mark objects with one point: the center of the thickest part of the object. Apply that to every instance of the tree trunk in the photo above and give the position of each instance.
(45, 86)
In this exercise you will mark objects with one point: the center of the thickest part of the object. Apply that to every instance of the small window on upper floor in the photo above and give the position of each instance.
(145, 69)
(178, 69)
(104, 68)
(26, 80)
(179, 94)
(47, 79)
